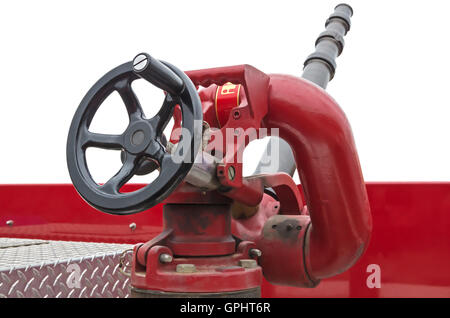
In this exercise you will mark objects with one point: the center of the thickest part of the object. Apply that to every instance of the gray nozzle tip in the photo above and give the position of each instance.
(346, 5)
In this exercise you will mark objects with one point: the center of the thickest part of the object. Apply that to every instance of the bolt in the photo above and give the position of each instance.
(165, 258)
(140, 62)
(10, 222)
(248, 263)
(231, 173)
(186, 268)
(132, 226)
(254, 252)
(138, 137)
(236, 114)
(205, 126)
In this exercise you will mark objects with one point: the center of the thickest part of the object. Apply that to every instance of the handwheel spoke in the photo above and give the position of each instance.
(162, 118)
(142, 140)
(130, 100)
(104, 141)
(155, 151)
(125, 173)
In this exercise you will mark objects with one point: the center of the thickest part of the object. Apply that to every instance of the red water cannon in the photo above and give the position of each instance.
(222, 231)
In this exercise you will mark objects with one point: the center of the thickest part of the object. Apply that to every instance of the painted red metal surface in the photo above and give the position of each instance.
(199, 230)
(299, 249)
(410, 243)
(410, 239)
(321, 138)
(283, 258)
(323, 145)
(222, 271)
(227, 98)
(247, 115)
(57, 212)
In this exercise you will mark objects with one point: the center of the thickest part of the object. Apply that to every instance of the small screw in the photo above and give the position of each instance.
(132, 226)
(255, 252)
(165, 258)
(231, 173)
(140, 62)
(236, 114)
(10, 222)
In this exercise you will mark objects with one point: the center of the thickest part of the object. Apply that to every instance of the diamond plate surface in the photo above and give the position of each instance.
(35, 268)
(12, 242)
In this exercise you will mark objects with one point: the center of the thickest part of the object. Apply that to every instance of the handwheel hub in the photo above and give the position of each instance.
(138, 137)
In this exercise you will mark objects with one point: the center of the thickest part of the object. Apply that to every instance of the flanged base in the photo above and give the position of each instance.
(246, 293)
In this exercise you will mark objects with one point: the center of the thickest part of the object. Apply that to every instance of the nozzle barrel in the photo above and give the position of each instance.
(320, 66)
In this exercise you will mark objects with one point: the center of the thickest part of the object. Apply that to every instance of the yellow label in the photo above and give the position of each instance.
(228, 88)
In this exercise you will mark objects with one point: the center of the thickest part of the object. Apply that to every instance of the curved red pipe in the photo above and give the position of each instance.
(321, 138)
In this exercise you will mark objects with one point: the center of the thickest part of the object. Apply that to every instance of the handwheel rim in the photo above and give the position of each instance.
(171, 173)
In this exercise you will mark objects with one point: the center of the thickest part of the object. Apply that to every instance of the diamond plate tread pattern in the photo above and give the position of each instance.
(61, 269)
(11, 242)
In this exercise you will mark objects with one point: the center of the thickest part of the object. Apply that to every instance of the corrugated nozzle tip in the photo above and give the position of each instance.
(345, 5)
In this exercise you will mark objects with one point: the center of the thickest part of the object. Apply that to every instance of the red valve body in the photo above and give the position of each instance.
(206, 259)
(299, 245)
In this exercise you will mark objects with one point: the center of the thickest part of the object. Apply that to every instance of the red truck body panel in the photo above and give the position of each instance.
(410, 240)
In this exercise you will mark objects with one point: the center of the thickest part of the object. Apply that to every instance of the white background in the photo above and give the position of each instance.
(392, 79)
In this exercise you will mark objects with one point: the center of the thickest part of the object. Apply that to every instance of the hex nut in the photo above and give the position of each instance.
(248, 263)
(186, 268)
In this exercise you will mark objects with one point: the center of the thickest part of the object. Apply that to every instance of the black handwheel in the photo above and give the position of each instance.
(142, 140)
